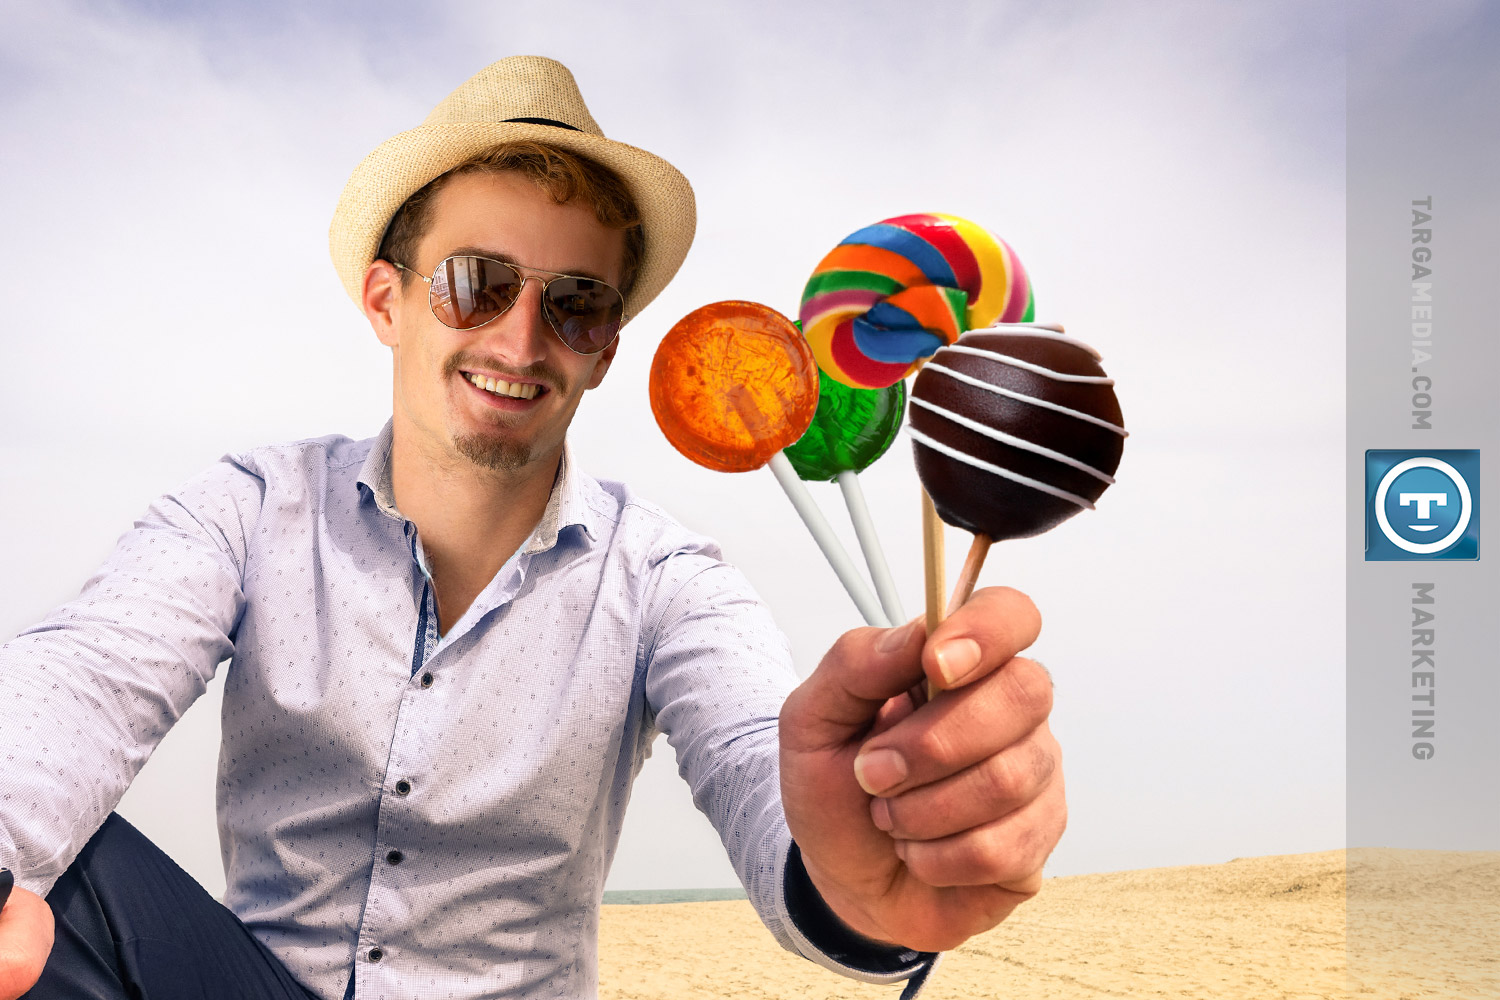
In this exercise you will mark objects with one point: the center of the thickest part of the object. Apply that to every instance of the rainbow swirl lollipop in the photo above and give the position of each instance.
(893, 293)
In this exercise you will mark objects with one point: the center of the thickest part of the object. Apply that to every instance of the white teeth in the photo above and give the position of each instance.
(500, 387)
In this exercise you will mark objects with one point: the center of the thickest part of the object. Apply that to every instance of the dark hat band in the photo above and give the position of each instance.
(546, 121)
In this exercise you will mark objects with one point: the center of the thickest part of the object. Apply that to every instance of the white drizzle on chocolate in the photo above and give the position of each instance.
(979, 383)
(980, 463)
(1048, 331)
(1028, 366)
(1013, 441)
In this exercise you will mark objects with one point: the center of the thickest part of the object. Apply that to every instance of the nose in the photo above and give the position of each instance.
(521, 335)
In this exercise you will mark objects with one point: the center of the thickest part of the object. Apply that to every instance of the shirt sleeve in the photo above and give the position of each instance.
(88, 693)
(718, 670)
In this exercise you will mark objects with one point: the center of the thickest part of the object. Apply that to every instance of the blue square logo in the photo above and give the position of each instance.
(1421, 505)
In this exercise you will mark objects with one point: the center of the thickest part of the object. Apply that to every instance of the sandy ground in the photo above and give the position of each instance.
(1421, 925)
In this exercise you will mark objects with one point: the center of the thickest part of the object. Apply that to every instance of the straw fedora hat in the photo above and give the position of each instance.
(516, 99)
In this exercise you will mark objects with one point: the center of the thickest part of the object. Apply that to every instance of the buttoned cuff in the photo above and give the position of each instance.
(833, 944)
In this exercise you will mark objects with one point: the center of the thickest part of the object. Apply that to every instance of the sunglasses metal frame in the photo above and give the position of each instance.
(517, 270)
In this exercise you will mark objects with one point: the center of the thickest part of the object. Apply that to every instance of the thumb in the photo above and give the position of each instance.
(862, 671)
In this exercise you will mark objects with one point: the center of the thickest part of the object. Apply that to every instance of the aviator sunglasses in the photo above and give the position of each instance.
(467, 291)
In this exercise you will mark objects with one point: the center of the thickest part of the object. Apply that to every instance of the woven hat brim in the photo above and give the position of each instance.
(405, 163)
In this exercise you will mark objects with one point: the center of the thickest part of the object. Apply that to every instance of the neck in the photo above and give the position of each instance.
(470, 519)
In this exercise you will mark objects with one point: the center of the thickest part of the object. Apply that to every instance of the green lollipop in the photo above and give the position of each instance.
(850, 430)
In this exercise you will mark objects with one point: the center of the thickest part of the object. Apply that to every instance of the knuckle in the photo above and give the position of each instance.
(1037, 845)
(1042, 761)
(936, 746)
(847, 646)
(1004, 781)
(932, 862)
(1030, 688)
(985, 859)
(1004, 851)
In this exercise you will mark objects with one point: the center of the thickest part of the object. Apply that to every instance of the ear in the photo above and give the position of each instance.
(605, 357)
(382, 301)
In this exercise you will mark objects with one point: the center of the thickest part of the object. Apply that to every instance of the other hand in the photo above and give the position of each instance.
(26, 928)
(922, 826)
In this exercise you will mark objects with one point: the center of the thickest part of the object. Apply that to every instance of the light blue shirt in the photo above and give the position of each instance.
(436, 813)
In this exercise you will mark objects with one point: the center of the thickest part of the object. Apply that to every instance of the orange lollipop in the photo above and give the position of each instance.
(732, 384)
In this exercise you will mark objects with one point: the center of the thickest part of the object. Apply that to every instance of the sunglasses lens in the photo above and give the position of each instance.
(470, 291)
(584, 312)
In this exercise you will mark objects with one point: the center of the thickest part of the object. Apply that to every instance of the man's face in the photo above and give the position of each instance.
(438, 408)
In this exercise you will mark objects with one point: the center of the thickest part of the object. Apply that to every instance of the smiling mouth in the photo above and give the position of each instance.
(500, 387)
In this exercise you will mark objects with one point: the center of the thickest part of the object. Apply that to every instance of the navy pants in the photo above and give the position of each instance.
(131, 923)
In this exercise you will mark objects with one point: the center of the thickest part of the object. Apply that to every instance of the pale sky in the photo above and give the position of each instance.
(1170, 173)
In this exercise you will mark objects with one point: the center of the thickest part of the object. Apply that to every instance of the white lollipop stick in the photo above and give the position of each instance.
(869, 543)
(833, 551)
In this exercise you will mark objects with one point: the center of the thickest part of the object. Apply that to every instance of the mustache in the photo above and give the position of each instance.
(540, 372)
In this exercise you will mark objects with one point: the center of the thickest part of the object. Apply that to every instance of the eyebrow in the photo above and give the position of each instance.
(468, 251)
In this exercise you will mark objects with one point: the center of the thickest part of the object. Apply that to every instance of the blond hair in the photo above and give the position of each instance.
(566, 176)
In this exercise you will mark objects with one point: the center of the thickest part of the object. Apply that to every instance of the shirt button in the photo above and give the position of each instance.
(427, 680)
(403, 786)
(375, 954)
(394, 857)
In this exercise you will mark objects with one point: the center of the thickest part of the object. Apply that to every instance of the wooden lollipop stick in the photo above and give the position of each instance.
(935, 575)
(969, 575)
(869, 543)
(833, 550)
(932, 552)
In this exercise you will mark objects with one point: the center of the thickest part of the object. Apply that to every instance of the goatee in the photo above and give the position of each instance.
(495, 454)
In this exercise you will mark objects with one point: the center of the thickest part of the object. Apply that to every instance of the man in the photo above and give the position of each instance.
(451, 649)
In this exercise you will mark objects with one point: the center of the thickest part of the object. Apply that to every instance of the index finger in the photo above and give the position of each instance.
(978, 638)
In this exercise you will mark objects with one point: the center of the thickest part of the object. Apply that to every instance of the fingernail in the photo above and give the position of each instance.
(879, 770)
(880, 815)
(957, 659)
(893, 639)
(900, 848)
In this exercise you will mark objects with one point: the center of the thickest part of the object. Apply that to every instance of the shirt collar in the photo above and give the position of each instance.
(375, 474)
(567, 505)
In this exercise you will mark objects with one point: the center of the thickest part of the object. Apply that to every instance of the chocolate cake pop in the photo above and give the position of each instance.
(1016, 428)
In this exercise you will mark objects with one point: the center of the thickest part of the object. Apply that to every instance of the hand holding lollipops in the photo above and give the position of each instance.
(1015, 428)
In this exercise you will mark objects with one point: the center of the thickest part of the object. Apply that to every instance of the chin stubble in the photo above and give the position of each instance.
(490, 453)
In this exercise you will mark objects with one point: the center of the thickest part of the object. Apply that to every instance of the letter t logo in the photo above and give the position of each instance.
(1424, 502)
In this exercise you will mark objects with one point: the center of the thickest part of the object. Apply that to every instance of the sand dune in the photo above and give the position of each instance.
(1423, 926)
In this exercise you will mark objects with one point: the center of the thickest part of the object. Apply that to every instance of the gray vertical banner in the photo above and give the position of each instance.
(1423, 344)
